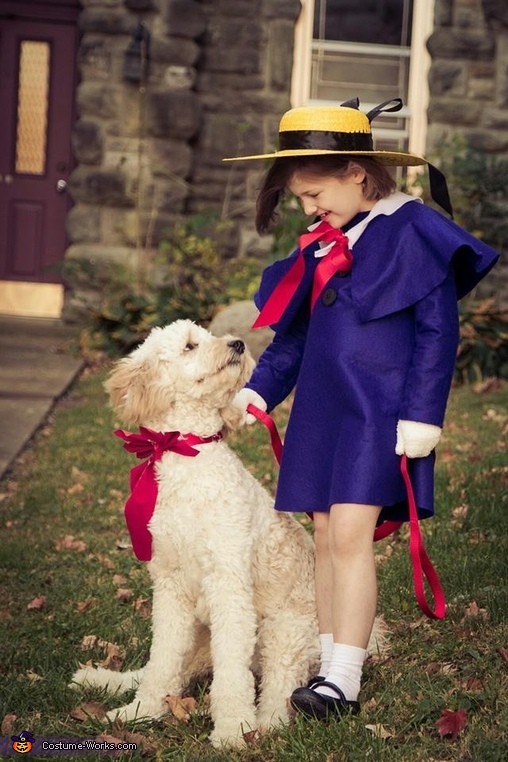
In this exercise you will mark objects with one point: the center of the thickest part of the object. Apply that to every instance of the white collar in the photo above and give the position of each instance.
(385, 206)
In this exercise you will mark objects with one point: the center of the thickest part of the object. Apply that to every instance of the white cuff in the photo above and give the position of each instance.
(246, 397)
(416, 439)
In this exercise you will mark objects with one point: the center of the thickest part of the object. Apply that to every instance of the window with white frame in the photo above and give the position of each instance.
(370, 49)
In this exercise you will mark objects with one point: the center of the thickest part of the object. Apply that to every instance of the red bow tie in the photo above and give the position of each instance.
(140, 505)
(338, 259)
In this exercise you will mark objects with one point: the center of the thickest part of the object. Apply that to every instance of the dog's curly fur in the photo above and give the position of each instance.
(233, 579)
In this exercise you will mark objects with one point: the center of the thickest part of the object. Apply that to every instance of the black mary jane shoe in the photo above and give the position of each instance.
(312, 681)
(317, 706)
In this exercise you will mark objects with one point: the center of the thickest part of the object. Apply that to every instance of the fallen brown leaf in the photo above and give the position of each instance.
(379, 731)
(33, 677)
(88, 709)
(144, 607)
(251, 737)
(124, 594)
(447, 455)
(76, 489)
(114, 654)
(113, 661)
(503, 653)
(419, 622)
(36, 603)
(473, 684)
(107, 562)
(461, 511)
(110, 740)
(83, 606)
(69, 543)
(181, 708)
(8, 723)
(451, 722)
(78, 475)
(139, 739)
(90, 641)
(473, 611)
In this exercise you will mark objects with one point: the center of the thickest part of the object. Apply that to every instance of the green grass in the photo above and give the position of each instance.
(62, 536)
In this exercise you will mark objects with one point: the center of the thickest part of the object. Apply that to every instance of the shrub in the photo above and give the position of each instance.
(477, 185)
(483, 347)
(189, 280)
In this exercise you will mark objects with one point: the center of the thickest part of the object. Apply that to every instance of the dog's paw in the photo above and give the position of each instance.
(272, 716)
(229, 734)
(138, 710)
(98, 677)
(84, 676)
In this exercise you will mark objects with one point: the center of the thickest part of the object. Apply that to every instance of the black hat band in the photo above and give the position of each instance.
(322, 140)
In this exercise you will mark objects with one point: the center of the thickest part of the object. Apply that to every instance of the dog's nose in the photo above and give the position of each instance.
(238, 346)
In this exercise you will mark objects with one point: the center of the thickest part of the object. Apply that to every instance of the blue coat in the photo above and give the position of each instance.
(379, 346)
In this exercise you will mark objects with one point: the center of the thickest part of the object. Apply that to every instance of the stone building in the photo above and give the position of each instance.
(164, 89)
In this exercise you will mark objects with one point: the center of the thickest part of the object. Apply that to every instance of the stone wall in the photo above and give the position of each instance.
(147, 153)
(243, 83)
(468, 82)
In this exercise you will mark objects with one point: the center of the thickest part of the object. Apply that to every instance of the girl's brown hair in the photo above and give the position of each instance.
(378, 181)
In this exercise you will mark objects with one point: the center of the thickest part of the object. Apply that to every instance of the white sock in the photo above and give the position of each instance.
(345, 671)
(326, 640)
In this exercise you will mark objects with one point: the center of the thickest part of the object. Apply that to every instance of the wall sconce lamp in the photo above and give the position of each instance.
(137, 55)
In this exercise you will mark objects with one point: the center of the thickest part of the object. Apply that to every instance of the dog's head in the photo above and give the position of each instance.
(181, 377)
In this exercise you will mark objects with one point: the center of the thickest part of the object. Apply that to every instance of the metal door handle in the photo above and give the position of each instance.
(61, 185)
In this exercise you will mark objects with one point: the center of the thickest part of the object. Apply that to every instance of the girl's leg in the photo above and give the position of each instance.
(323, 585)
(354, 593)
(354, 582)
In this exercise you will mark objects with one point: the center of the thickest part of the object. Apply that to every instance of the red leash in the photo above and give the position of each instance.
(421, 563)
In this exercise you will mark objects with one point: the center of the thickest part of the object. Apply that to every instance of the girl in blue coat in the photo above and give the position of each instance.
(366, 332)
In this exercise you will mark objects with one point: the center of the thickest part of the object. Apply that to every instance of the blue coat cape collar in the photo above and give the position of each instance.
(400, 256)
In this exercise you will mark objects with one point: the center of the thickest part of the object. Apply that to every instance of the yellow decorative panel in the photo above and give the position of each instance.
(33, 94)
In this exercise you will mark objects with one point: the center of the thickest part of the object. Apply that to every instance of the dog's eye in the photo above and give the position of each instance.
(189, 347)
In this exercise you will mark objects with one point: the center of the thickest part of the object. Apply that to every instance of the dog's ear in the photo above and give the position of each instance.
(125, 387)
(135, 390)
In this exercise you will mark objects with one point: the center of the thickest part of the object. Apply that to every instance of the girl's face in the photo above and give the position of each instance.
(336, 200)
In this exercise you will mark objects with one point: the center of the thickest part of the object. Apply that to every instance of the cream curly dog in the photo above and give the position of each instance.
(233, 579)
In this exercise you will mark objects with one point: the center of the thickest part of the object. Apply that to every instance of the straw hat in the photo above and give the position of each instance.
(344, 129)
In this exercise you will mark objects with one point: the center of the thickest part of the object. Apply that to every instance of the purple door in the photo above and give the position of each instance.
(37, 89)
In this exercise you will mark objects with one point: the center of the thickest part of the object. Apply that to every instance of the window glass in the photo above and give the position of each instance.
(382, 22)
(32, 116)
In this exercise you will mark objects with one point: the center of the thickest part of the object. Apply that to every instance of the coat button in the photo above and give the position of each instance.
(329, 296)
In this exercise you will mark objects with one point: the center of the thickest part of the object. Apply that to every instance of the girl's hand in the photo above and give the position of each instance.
(243, 399)
(415, 439)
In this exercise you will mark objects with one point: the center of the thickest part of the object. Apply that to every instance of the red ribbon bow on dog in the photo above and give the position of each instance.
(140, 505)
(338, 259)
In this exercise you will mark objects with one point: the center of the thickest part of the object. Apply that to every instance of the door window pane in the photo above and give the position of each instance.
(33, 94)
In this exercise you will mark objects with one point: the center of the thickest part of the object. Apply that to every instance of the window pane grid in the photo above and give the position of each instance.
(370, 77)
